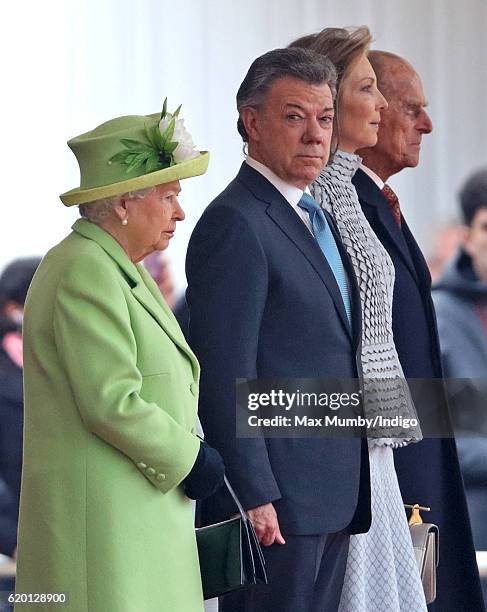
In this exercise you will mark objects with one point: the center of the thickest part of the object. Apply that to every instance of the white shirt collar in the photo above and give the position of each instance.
(291, 193)
(370, 173)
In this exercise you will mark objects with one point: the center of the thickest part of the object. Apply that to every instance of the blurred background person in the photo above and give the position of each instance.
(446, 240)
(159, 268)
(14, 282)
(461, 306)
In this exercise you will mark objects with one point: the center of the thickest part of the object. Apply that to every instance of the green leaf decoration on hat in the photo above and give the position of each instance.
(164, 108)
(154, 154)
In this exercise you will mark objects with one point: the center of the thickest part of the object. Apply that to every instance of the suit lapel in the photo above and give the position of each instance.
(282, 213)
(142, 285)
(378, 212)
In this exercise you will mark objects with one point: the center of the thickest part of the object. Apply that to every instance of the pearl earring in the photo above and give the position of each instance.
(125, 221)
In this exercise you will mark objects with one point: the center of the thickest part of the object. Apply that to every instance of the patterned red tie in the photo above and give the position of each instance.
(393, 201)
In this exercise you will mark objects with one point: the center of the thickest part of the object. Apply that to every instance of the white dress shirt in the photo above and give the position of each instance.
(370, 173)
(289, 192)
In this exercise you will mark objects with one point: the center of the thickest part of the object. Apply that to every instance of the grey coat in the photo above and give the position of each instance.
(463, 340)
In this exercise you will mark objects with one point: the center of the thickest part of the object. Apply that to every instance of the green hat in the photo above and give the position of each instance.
(133, 152)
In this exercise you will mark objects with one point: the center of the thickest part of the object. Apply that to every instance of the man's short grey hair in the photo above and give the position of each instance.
(302, 64)
(99, 210)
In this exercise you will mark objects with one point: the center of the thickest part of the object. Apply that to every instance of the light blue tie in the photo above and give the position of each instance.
(326, 240)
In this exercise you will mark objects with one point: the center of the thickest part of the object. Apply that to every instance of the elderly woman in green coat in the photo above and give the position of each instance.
(111, 457)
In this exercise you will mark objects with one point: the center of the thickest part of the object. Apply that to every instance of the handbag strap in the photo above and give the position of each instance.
(235, 499)
(231, 491)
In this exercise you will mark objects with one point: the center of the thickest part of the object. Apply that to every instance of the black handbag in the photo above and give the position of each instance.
(230, 554)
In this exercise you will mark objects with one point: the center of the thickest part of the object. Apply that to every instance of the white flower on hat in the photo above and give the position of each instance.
(185, 146)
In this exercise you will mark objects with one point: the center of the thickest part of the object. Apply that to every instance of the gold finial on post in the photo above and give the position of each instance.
(415, 518)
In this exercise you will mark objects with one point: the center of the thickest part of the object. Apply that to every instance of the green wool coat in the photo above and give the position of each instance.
(110, 408)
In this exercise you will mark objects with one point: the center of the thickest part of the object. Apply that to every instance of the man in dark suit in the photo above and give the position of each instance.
(428, 472)
(266, 300)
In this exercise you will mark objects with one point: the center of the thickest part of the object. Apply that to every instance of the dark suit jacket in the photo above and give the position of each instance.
(428, 472)
(264, 303)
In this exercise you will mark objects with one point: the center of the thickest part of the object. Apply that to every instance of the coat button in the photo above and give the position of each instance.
(161, 477)
(193, 387)
(150, 471)
(141, 465)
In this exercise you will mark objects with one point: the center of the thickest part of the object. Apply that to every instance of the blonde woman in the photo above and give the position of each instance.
(381, 573)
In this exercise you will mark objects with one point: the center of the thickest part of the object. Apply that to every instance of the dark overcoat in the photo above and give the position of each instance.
(428, 472)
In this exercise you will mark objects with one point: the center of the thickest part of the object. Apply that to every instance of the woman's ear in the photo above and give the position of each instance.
(120, 209)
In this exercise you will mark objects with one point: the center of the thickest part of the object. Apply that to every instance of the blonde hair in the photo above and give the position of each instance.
(343, 46)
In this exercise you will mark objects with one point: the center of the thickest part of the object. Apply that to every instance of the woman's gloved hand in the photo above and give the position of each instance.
(206, 475)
